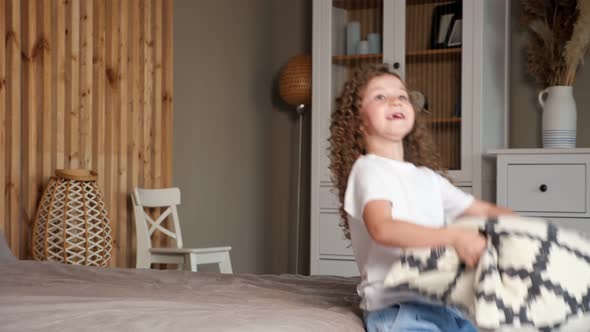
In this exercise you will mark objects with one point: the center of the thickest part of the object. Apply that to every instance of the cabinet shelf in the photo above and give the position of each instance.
(426, 2)
(355, 4)
(434, 52)
(450, 121)
(348, 60)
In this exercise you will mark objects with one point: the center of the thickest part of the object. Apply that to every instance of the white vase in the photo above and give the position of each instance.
(559, 117)
(353, 36)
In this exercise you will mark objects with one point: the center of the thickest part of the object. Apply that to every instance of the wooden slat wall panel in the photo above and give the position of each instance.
(112, 36)
(157, 95)
(123, 131)
(14, 221)
(3, 102)
(72, 83)
(59, 82)
(89, 83)
(30, 107)
(46, 79)
(99, 79)
(134, 104)
(157, 79)
(167, 117)
(85, 92)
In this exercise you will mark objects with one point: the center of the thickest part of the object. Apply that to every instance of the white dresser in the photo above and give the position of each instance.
(548, 183)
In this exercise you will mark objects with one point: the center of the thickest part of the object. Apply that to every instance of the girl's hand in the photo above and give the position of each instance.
(469, 245)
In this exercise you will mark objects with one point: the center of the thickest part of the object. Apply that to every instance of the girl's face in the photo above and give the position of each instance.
(386, 111)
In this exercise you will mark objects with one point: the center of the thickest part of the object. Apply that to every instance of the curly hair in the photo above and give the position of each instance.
(346, 142)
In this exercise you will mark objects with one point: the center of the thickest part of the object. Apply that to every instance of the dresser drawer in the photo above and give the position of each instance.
(546, 188)
(333, 242)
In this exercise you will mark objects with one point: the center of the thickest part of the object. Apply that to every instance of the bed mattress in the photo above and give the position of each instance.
(56, 297)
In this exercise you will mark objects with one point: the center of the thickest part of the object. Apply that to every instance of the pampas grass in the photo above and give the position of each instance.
(558, 40)
(578, 44)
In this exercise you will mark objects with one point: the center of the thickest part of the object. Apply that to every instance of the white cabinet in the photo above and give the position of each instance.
(465, 86)
(549, 183)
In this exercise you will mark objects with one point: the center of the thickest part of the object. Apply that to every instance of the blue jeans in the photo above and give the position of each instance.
(417, 317)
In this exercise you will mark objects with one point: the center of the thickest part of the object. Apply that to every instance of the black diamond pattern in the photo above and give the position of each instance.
(538, 276)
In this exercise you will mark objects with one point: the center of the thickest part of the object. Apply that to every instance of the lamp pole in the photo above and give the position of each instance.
(295, 90)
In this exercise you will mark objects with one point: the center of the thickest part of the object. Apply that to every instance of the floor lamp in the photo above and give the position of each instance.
(295, 90)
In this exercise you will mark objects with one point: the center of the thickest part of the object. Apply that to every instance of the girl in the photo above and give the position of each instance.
(382, 162)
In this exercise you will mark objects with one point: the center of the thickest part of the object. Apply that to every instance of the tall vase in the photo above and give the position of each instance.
(559, 117)
(71, 225)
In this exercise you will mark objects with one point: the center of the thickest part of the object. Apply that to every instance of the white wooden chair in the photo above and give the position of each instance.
(145, 226)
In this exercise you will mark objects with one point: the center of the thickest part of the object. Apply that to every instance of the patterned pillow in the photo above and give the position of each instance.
(533, 274)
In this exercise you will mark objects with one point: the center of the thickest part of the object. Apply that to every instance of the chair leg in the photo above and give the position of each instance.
(225, 264)
(190, 262)
(142, 261)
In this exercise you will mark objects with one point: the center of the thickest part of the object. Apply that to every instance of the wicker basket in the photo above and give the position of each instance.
(295, 81)
(71, 225)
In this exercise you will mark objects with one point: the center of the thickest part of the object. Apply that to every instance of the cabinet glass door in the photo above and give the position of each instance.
(357, 38)
(433, 59)
(357, 32)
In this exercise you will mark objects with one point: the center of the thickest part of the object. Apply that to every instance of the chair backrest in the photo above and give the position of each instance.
(145, 225)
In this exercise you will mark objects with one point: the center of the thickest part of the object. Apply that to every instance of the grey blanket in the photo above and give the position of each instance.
(55, 297)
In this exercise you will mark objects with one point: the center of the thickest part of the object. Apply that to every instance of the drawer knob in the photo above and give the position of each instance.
(543, 188)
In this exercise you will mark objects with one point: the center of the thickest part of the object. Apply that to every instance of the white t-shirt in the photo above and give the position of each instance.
(417, 194)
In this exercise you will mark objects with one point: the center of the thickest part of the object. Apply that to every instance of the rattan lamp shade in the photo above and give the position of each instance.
(71, 225)
(295, 81)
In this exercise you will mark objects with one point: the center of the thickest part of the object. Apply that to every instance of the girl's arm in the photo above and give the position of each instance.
(485, 209)
(387, 231)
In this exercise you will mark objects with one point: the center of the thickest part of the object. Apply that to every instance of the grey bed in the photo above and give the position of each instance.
(56, 297)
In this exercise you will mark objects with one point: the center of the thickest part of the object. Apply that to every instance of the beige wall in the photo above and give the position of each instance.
(222, 126)
(235, 144)
(525, 115)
